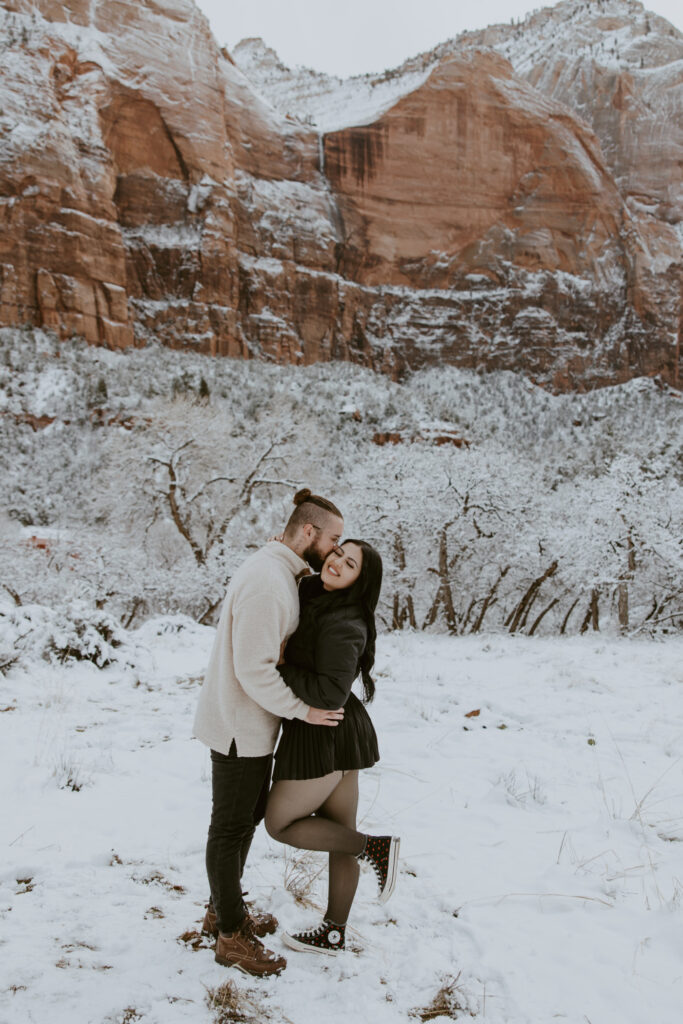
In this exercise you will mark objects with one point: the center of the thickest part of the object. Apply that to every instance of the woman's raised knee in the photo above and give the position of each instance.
(273, 827)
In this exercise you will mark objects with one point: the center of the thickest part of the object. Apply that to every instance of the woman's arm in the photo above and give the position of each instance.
(338, 646)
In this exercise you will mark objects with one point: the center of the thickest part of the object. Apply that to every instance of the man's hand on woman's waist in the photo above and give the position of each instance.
(317, 716)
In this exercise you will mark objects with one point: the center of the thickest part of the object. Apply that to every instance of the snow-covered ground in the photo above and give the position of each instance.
(542, 840)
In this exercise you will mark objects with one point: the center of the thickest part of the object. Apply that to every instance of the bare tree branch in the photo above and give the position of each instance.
(175, 496)
(489, 600)
(521, 612)
(13, 594)
(545, 611)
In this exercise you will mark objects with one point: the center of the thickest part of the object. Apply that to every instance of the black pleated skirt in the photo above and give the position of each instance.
(311, 751)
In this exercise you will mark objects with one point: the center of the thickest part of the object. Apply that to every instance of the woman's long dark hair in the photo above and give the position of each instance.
(365, 591)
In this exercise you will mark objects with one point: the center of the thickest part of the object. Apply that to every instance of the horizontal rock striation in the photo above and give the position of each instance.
(458, 212)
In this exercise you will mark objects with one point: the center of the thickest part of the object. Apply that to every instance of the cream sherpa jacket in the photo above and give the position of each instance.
(243, 696)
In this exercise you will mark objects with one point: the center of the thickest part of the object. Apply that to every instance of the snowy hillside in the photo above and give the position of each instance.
(495, 505)
(621, 34)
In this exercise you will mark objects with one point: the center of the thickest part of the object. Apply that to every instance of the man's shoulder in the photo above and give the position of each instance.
(272, 557)
(262, 571)
(255, 558)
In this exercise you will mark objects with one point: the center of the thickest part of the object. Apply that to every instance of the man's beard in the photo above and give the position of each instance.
(314, 556)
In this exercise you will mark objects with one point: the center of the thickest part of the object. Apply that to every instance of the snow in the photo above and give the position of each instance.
(542, 839)
(287, 209)
(166, 236)
(617, 34)
(327, 102)
(265, 265)
(52, 532)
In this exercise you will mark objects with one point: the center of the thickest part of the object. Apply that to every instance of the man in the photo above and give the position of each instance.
(241, 703)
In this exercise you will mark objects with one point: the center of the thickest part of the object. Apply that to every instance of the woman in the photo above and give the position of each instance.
(314, 798)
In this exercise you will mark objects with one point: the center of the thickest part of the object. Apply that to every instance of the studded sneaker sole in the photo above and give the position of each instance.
(392, 870)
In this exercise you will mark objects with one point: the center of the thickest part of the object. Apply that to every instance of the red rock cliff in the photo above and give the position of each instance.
(146, 191)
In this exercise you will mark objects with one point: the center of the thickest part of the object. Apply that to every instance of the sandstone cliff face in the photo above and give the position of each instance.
(518, 167)
(620, 68)
(125, 134)
(455, 214)
(525, 187)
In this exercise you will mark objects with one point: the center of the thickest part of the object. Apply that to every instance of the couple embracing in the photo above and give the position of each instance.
(288, 647)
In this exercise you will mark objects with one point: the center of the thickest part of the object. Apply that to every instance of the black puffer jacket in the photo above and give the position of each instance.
(322, 656)
(322, 661)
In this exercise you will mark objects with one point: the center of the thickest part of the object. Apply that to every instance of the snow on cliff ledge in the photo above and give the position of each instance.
(328, 102)
(619, 34)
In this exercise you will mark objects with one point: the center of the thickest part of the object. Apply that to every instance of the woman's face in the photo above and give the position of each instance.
(340, 571)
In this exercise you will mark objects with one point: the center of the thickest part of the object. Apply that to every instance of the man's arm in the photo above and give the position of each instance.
(258, 627)
(338, 647)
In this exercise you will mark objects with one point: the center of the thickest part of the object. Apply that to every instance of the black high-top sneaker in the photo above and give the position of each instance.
(381, 852)
(327, 938)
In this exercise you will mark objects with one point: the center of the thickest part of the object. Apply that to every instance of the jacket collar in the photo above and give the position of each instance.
(316, 595)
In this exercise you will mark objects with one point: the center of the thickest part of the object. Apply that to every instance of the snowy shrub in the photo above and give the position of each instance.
(302, 871)
(81, 634)
(520, 791)
(23, 632)
(75, 633)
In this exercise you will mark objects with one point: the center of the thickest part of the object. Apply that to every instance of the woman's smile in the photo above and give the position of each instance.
(340, 571)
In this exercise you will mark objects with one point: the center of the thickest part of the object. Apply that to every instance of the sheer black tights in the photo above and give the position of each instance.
(320, 814)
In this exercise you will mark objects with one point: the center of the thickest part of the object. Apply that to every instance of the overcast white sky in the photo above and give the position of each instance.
(348, 37)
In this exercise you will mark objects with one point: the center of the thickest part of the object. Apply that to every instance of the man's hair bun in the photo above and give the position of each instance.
(310, 508)
(301, 496)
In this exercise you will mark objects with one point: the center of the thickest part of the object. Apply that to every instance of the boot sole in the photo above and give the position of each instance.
(303, 947)
(392, 870)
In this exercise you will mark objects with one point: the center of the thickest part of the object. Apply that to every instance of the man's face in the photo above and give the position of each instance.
(324, 540)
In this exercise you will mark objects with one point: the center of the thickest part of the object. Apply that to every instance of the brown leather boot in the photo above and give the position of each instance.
(261, 923)
(243, 950)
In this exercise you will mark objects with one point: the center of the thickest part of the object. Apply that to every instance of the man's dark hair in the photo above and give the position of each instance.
(310, 508)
